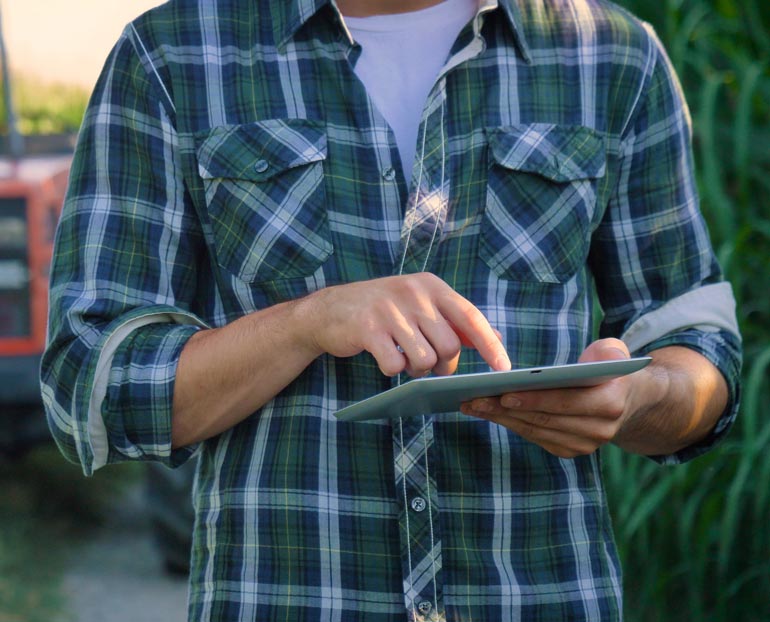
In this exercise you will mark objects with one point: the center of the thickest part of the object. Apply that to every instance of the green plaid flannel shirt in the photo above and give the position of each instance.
(230, 160)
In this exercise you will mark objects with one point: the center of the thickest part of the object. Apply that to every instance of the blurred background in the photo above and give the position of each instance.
(695, 540)
(71, 549)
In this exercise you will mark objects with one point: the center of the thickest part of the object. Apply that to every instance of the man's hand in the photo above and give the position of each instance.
(414, 323)
(673, 402)
(565, 422)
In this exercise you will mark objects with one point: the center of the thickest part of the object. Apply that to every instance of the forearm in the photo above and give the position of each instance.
(676, 402)
(225, 374)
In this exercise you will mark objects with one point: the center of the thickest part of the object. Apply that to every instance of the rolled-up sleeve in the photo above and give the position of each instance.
(656, 274)
(123, 275)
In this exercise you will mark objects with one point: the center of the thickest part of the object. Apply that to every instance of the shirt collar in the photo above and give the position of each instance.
(290, 15)
(512, 13)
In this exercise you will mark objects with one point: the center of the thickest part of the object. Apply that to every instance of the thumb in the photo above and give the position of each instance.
(605, 350)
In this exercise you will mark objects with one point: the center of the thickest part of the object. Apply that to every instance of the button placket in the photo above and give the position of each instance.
(429, 202)
(418, 517)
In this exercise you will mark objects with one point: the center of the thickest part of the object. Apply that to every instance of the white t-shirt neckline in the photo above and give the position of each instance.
(401, 56)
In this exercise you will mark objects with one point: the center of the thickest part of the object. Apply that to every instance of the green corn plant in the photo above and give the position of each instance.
(694, 540)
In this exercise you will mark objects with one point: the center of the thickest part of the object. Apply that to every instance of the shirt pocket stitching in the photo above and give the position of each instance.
(265, 197)
(541, 199)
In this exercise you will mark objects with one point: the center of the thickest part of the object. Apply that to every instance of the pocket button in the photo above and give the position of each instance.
(261, 166)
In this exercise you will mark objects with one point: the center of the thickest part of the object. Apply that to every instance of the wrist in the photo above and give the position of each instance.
(675, 402)
(649, 394)
(305, 319)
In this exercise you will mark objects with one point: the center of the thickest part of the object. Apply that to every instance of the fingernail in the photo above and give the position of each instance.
(503, 363)
(483, 406)
(510, 402)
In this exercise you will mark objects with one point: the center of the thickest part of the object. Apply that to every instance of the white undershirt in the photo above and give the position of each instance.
(401, 56)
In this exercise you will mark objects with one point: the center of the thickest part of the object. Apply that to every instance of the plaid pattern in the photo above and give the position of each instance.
(230, 160)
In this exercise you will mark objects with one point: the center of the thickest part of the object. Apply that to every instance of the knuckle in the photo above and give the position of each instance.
(491, 344)
(572, 452)
(390, 368)
(421, 280)
(566, 403)
(615, 410)
(369, 323)
(604, 435)
(448, 347)
(528, 430)
(426, 360)
(584, 447)
(564, 452)
(428, 278)
(473, 323)
(410, 283)
(613, 429)
(412, 372)
(469, 313)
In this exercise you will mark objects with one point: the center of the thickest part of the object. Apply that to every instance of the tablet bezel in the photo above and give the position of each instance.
(441, 394)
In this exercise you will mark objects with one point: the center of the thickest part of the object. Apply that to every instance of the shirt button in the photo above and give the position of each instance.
(424, 607)
(389, 174)
(418, 505)
(261, 166)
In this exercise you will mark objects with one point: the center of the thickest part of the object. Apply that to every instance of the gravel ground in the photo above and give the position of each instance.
(118, 576)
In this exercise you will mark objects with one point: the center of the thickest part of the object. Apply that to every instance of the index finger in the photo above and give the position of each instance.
(473, 329)
(467, 342)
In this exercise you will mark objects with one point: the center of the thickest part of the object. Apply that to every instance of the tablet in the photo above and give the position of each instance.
(441, 394)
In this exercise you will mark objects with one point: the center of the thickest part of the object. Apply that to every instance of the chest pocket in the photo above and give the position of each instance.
(541, 198)
(265, 197)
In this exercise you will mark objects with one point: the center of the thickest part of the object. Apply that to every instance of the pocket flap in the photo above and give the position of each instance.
(561, 153)
(259, 151)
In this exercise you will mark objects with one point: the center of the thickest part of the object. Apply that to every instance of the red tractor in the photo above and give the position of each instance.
(31, 194)
(33, 178)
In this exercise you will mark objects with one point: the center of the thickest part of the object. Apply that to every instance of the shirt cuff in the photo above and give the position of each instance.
(710, 308)
(723, 350)
(101, 421)
(703, 320)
